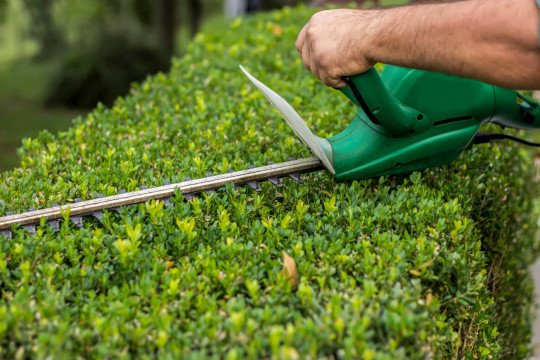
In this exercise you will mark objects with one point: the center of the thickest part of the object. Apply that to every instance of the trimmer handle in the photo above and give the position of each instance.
(369, 92)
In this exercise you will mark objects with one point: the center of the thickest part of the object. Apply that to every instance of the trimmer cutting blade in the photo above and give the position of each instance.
(295, 122)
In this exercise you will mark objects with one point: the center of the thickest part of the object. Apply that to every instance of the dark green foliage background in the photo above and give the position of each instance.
(420, 266)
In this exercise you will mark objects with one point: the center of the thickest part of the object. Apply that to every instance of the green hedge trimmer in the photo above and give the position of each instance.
(407, 120)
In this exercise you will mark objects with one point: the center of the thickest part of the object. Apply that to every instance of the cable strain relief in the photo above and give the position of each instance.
(482, 138)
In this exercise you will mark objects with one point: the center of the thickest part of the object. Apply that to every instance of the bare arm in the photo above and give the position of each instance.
(495, 41)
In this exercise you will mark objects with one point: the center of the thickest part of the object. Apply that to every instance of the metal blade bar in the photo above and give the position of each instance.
(186, 188)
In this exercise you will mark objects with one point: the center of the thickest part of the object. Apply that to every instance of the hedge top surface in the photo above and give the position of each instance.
(383, 268)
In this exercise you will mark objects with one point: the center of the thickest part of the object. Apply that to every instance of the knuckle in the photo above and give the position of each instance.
(333, 74)
(328, 82)
(311, 32)
(321, 65)
(324, 61)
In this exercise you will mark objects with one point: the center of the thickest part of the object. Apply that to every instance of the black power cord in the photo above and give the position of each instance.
(484, 138)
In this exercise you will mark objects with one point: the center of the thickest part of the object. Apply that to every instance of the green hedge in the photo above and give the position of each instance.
(429, 265)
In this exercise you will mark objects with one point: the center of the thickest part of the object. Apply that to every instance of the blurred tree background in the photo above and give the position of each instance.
(59, 58)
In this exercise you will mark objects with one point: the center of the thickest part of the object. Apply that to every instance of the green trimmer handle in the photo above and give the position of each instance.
(368, 91)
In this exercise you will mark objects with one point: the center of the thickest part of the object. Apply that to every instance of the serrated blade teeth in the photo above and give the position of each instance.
(30, 228)
(189, 189)
(255, 186)
(78, 221)
(168, 202)
(98, 215)
(188, 197)
(276, 181)
(296, 177)
(55, 225)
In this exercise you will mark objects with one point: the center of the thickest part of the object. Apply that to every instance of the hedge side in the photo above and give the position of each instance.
(429, 265)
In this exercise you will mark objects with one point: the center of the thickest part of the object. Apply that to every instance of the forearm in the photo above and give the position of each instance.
(495, 41)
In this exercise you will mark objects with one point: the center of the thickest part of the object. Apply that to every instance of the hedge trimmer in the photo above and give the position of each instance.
(407, 120)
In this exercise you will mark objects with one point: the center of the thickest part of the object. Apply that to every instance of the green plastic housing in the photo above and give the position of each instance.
(412, 119)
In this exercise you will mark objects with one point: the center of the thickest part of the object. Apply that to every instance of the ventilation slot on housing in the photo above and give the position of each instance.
(448, 121)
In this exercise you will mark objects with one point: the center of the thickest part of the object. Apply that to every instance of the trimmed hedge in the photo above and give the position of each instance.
(429, 265)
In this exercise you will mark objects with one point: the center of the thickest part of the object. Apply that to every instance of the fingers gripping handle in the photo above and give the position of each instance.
(369, 92)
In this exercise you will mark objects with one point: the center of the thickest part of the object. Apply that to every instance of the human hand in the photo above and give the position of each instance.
(336, 43)
(493, 41)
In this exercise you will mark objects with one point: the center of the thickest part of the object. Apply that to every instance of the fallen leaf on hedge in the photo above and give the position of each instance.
(289, 270)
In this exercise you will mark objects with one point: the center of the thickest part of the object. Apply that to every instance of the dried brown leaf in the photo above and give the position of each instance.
(289, 270)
